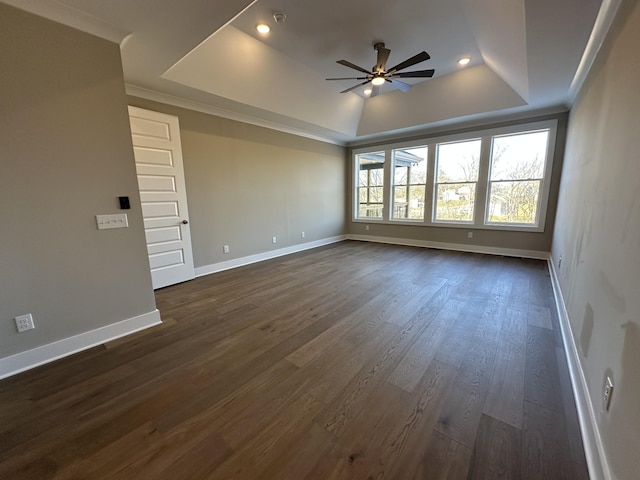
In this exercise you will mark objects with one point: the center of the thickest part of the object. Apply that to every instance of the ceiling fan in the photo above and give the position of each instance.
(379, 75)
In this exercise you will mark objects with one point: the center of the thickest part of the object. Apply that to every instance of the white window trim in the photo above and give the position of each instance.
(482, 197)
(412, 221)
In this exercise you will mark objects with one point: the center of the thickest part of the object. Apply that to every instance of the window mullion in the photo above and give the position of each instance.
(387, 191)
(479, 214)
(430, 193)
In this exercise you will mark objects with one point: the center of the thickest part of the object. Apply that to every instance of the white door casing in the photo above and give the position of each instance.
(158, 156)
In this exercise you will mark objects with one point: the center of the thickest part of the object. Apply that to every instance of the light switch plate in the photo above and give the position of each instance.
(117, 220)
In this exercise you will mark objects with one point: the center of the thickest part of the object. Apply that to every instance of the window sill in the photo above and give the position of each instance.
(468, 226)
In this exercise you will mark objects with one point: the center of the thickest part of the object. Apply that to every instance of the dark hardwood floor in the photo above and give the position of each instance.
(354, 361)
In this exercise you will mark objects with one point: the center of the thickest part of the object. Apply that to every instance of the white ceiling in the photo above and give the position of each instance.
(526, 56)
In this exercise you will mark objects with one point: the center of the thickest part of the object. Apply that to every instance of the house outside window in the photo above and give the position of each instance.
(370, 184)
(409, 182)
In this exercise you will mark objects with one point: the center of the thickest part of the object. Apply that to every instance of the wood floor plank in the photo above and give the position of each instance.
(417, 359)
(405, 439)
(539, 316)
(541, 378)
(353, 360)
(506, 389)
(298, 462)
(444, 459)
(259, 452)
(496, 454)
(460, 416)
(545, 449)
(571, 415)
(342, 410)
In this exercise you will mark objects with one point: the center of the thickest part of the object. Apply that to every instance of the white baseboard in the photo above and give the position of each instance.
(62, 348)
(459, 247)
(593, 448)
(259, 257)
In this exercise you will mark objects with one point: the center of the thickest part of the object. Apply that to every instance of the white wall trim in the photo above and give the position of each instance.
(603, 22)
(181, 102)
(67, 346)
(259, 257)
(458, 247)
(72, 17)
(593, 447)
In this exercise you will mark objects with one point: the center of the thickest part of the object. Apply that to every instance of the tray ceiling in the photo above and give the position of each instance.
(526, 56)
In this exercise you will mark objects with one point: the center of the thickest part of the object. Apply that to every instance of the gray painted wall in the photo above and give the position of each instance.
(535, 241)
(66, 156)
(597, 235)
(247, 184)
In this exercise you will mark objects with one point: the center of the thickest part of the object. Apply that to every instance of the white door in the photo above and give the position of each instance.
(158, 153)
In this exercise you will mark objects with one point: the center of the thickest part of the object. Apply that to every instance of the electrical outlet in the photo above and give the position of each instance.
(302, 235)
(366, 227)
(24, 322)
(225, 249)
(607, 393)
(469, 234)
(274, 240)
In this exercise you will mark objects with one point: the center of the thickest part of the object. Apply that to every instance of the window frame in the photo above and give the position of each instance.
(357, 171)
(541, 180)
(434, 209)
(408, 185)
(482, 187)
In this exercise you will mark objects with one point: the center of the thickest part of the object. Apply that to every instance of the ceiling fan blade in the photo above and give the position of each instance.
(348, 78)
(383, 56)
(351, 65)
(375, 90)
(355, 86)
(416, 74)
(405, 87)
(420, 57)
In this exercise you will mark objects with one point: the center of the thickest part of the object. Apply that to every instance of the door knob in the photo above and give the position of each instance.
(184, 222)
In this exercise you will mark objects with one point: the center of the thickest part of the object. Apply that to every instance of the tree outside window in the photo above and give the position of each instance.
(457, 169)
(517, 171)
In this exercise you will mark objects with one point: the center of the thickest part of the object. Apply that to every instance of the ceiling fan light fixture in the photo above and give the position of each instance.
(263, 28)
(464, 61)
(377, 81)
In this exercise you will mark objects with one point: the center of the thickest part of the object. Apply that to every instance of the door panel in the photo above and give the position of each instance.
(158, 154)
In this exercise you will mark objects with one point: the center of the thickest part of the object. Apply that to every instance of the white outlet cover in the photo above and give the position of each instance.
(24, 322)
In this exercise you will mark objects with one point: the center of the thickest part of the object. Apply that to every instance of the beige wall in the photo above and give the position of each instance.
(247, 184)
(533, 241)
(65, 156)
(598, 237)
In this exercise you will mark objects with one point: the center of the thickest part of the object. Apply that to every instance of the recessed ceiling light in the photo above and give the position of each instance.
(464, 60)
(263, 28)
(367, 91)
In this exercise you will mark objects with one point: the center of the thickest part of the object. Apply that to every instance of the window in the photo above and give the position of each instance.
(370, 185)
(456, 179)
(409, 181)
(517, 170)
(488, 179)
